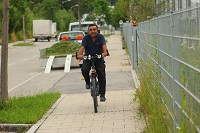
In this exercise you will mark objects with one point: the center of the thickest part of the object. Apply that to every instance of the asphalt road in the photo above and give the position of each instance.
(25, 74)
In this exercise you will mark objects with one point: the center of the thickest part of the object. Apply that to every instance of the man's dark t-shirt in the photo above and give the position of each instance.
(93, 48)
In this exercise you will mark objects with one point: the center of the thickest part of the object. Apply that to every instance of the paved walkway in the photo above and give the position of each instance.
(74, 112)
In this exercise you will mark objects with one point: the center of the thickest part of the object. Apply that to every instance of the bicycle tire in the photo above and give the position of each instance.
(94, 95)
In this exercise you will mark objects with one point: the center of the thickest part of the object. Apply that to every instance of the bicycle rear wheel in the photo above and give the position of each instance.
(94, 95)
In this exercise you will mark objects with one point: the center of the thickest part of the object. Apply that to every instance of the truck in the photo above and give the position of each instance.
(74, 26)
(54, 30)
(42, 29)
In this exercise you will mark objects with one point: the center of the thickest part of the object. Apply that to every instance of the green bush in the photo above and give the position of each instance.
(63, 48)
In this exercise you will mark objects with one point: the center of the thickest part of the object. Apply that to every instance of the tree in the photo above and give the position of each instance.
(101, 10)
(90, 17)
(18, 9)
(141, 9)
(86, 6)
(1, 9)
(63, 18)
(22, 5)
(4, 53)
(120, 12)
(47, 9)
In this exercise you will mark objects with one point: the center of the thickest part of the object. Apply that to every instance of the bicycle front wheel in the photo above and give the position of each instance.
(94, 94)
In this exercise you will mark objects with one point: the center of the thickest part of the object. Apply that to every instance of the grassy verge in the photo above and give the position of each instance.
(149, 97)
(156, 116)
(27, 110)
(124, 45)
(24, 44)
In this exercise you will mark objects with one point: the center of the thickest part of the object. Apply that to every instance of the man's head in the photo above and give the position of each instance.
(93, 30)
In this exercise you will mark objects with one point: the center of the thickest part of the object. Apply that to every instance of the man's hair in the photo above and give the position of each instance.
(92, 25)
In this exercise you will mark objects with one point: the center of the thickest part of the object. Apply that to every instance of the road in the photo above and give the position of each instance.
(25, 74)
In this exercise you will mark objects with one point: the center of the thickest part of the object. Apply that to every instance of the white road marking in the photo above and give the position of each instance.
(49, 64)
(24, 59)
(11, 64)
(68, 63)
(24, 82)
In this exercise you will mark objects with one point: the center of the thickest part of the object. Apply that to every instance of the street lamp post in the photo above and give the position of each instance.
(64, 2)
(74, 6)
(79, 18)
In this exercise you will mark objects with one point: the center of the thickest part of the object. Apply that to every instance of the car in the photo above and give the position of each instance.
(75, 36)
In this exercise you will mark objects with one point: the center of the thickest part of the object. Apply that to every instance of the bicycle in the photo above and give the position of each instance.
(94, 84)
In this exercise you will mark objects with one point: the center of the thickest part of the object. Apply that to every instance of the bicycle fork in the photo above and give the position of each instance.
(93, 79)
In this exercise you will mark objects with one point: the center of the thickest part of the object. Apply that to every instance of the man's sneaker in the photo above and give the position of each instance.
(102, 98)
(87, 86)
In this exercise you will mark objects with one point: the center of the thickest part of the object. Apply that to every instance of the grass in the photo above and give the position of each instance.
(149, 96)
(63, 48)
(124, 45)
(156, 116)
(27, 110)
(24, 44)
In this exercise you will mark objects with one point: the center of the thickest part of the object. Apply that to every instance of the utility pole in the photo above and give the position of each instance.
(24, 36)
(4, 53)
(79, 18)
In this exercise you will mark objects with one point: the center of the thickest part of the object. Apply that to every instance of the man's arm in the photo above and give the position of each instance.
(104, 54)
(80, 53)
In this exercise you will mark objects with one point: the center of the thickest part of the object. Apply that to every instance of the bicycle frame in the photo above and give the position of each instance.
(94, 85)
(94, 80)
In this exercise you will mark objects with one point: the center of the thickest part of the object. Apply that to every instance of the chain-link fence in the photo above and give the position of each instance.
(172, 44)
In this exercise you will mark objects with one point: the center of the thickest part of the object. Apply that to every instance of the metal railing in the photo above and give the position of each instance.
(172, 42)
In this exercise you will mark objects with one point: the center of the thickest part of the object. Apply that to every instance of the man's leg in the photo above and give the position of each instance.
(102, 79)
(85, 72)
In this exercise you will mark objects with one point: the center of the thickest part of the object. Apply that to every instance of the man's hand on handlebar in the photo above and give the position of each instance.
(103, 55)
(89, 57)
(79, 57)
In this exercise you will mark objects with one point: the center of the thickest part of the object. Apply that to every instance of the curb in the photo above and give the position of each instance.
(135, 78)
(14, 127)
(34, 128)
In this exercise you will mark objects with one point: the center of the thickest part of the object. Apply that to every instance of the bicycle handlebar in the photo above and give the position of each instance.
(90, 57)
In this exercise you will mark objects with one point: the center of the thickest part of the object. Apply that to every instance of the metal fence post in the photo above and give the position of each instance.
(134, 46)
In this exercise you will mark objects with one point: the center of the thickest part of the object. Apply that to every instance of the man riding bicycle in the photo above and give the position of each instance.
(94, 43)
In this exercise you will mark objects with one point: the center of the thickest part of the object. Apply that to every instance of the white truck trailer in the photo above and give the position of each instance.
(54, 30)
(42, 29)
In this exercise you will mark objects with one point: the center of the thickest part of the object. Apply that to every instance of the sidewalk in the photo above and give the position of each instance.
(74, 111)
